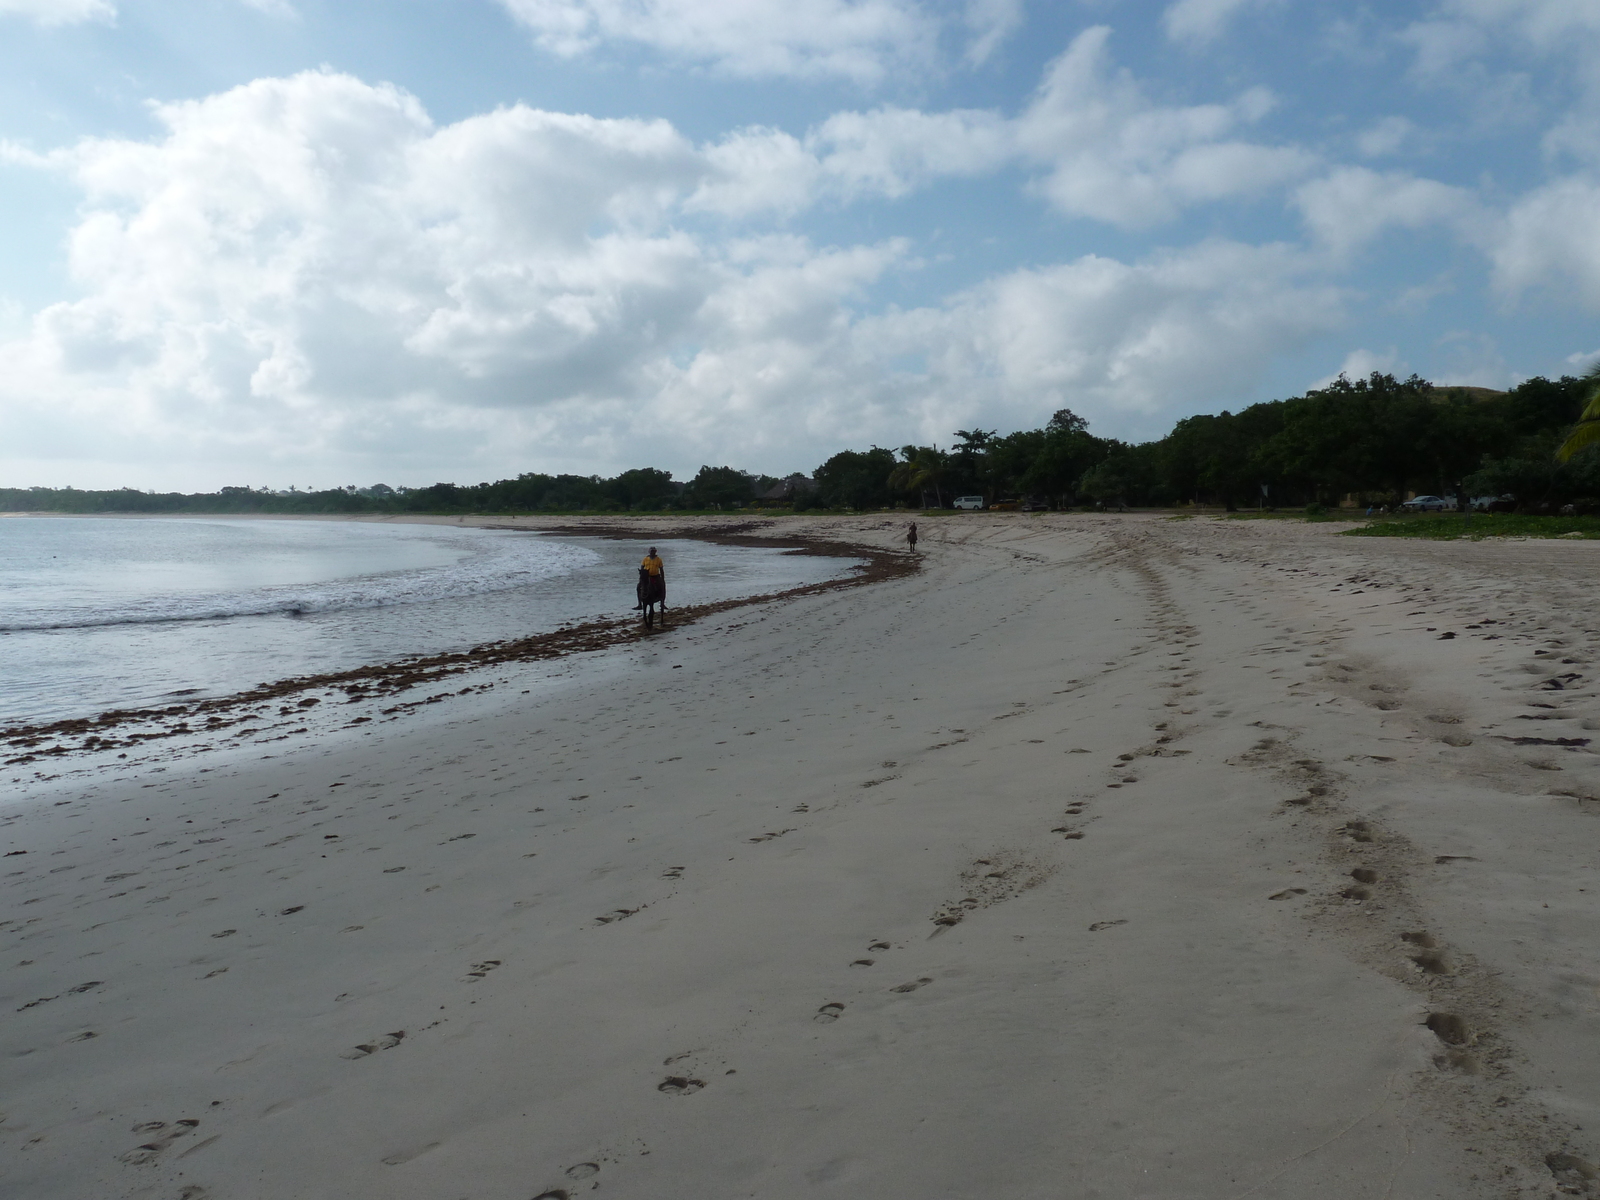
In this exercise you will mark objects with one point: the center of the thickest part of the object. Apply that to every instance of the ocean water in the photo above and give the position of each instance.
(102, 613)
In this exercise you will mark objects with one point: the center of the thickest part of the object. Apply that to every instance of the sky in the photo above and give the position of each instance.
(341, 242)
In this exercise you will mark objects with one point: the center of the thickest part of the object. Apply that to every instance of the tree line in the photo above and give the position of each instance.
(1376, 439)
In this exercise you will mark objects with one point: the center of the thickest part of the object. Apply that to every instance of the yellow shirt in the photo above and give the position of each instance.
(652, 563)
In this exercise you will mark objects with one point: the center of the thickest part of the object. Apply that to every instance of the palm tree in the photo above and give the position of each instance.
(924, 467)
(1587, 431)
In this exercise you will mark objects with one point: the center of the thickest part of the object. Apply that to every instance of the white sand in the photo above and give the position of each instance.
(1139, 1000)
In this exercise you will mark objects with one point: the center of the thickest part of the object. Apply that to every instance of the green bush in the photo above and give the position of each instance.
(1481, 525)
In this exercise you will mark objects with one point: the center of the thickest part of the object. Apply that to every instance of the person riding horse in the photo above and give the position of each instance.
(652, 587)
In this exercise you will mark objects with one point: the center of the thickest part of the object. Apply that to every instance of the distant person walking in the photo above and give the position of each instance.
(911, 539)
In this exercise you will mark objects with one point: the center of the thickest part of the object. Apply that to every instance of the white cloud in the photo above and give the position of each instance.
(309, 270)
(1441, 45)
(1145, 338)
(1201, 21)
(1551, 238)
(859, 40)
(1452, 41)
(1548, 24)
(1106, 151)
(300, 260)
(888, 152)
(1127, 345)
(891, 151)
(17, 155)
(59, 12)
(1352, 206)
(1387, 136)
(991, 23)
(1115, 156)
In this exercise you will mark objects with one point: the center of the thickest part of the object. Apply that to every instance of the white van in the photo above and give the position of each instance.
(967, 502)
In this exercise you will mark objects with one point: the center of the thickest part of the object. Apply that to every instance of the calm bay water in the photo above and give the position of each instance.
(100, 613)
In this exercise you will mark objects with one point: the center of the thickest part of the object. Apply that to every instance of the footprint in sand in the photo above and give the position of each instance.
(1099, 925)
(479, 970)
(164, 1135)
(827, 1014)
(1574, 1176)
(1431, 962)
(387, 1042)
(1364, 875)
(1449, 1028)
(680, 1085)
(913, 985)
(879, 946)
(672, 873)
(616, 914)
(1286, 893)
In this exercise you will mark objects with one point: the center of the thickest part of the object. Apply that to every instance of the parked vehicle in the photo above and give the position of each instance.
(1428, 504)
(1034, 504)
(1005, 506)
(968, 502)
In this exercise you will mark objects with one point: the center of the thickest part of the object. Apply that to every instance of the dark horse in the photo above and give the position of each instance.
(652, 592)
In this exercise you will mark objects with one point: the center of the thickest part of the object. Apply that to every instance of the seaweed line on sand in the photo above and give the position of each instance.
(390, 678)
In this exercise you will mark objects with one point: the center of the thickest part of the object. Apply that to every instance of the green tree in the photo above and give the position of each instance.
(968, 462)
(719, 487)
(856, 478)
(1587, 431)
(1109, 481)
(641, 488)
(922, 469)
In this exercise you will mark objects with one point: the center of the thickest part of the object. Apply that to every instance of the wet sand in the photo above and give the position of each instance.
(1103, 857)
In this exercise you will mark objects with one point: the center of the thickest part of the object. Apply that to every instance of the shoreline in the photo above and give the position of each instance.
(389, 679)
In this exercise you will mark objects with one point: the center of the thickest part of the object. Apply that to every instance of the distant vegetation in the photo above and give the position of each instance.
(642, 490)
(1376, 439)
(1481, 525)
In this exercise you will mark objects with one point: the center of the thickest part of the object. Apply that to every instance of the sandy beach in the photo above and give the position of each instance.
(1103, 857)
